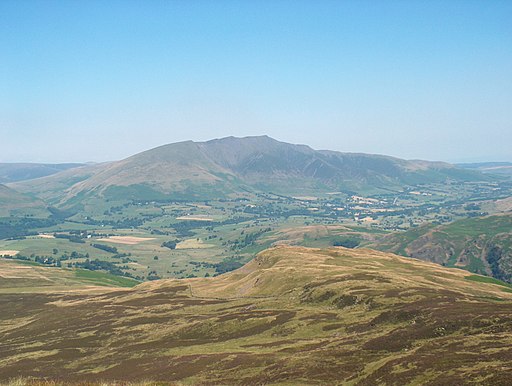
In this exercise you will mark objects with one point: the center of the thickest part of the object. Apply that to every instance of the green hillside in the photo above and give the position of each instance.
(13, 202)
(291, 316)
(479, 244)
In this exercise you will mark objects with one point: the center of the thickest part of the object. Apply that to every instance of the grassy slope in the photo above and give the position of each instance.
(14, 202)
(29, 277)
(292, 315)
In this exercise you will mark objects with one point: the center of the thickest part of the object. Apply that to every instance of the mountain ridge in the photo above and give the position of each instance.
(229, 165)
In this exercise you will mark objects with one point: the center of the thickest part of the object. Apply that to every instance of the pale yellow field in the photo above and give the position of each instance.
(193, 244)
(194, 218)
(45, 236)
(9, 253)
(128, 240)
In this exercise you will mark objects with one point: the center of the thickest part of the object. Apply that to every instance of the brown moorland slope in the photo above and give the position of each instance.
(293, 315)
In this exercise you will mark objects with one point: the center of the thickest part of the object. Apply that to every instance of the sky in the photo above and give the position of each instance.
(101, 80)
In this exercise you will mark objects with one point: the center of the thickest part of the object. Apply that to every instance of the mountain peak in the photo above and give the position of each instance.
(241, 141)
(227, 165)
(247, 137)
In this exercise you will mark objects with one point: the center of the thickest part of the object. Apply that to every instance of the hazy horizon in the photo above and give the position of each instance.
(101, 81)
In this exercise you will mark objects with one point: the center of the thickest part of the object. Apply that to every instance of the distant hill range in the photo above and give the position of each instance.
(13, 202)
(220, 167)
(13, 172)
(504, 168)
(8, 195)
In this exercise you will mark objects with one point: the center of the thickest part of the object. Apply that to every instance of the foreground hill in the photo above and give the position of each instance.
(481, 244)
(291, 316)
(12, 172)
(203, 170)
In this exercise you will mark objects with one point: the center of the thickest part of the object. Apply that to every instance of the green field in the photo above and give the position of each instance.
(104, 279)
(212, 231)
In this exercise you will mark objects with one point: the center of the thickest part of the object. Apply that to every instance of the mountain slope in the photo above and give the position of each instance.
(202, 170)
(52, 189)
(179, 167)
(14, 202)
(481, 244)
(291, 316)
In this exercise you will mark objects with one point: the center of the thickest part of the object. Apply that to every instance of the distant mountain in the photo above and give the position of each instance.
(502, 168)
(216, 168)
(480, 244)
(8, 195)
(14, 202)
(13, 172)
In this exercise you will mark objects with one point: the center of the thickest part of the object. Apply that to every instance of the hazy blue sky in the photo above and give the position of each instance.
(101, 80)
